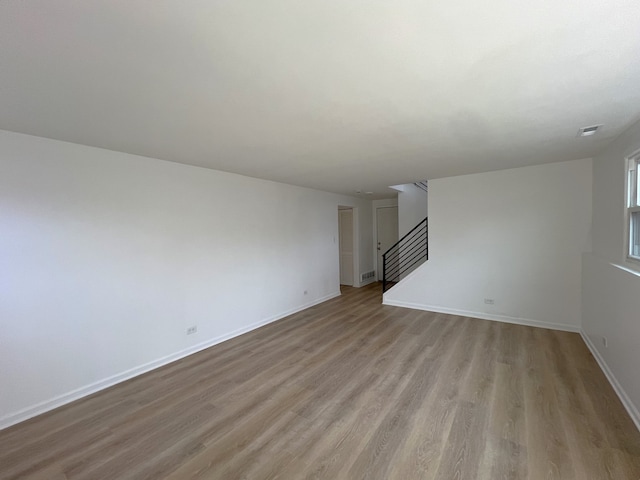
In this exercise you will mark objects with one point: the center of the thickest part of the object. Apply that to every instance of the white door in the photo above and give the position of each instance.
(345, 227)
(386, 232)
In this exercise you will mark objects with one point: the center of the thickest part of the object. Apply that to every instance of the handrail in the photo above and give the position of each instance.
(406, 254)
(409, 233)
(418, 232)
(422, 186)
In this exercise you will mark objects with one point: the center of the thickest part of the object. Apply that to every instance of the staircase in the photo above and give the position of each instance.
(405, 255)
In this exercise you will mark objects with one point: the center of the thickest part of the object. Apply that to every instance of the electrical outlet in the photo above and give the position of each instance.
(192, 330)
(489, 301)
(605, 342)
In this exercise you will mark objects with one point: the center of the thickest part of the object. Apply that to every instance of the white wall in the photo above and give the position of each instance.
(412, 208)
(609, 183)
(515, 236)
(384, 202)
(611, 285)
(106, 259)
(611, 306)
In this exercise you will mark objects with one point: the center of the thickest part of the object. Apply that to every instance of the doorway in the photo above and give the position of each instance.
(346, 236)
(386, 233)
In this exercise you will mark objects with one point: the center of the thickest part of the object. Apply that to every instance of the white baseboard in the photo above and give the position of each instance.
(622, 394)
(58, 401)
(485, 316)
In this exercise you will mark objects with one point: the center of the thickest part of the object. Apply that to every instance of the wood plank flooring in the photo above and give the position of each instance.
(349, 389)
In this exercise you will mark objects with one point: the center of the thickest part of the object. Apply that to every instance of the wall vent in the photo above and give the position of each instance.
(367, 276)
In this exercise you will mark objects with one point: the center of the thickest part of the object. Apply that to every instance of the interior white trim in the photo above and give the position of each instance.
(81, 392)
(485, 316)
(632, 410)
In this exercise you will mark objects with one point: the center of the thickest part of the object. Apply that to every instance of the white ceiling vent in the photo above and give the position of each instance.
(588, 131)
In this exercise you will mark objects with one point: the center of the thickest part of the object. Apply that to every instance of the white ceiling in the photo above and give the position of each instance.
(331, 94)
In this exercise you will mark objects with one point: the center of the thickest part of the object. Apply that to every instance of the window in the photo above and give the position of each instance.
(633, 208)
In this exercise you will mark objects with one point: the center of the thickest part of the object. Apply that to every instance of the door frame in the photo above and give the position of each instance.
(356, 243)
(377, 204)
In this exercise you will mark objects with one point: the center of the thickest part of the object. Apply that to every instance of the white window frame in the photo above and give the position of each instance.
(632, 201)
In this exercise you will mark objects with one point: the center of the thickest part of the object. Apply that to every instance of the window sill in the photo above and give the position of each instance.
(631, 266)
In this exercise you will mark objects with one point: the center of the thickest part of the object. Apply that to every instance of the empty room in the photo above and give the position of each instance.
(332, 240)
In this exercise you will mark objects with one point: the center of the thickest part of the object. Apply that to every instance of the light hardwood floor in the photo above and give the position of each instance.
(349, 389)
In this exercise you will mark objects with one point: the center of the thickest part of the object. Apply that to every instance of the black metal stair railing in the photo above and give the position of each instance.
(405, 255)
(422, 186)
